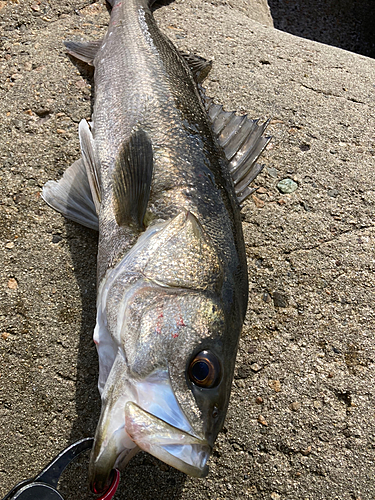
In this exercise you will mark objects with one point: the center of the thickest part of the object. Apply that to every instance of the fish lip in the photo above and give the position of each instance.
(166, 442)
(100, 480)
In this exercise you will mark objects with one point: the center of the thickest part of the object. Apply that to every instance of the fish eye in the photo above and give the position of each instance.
(204, 370)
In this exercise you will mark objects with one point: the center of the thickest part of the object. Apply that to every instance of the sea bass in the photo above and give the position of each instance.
(162, 176)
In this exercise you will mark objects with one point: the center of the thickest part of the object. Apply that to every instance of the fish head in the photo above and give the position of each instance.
(168, 387)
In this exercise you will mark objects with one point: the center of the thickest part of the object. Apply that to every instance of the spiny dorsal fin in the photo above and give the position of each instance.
(243, 142)
(132, 180)
(199, 66)
(90, 161)
(84, 51)
(71, 196)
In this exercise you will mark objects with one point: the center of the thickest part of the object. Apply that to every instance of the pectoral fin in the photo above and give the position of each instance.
(84, 51)
(71, 196)
(132, 180)
(90, 162)
(185, 257)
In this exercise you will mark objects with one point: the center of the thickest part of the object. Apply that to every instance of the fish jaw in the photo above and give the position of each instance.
(143, 414)
(171, 445)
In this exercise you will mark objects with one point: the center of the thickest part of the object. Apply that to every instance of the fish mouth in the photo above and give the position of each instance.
(173, 446)
(145, 431)
(145, 416)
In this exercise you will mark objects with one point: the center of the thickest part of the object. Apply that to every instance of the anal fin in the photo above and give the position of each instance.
(71, 196)
(132, 180)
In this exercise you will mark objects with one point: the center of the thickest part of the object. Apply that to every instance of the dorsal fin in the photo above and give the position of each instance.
(199, 66)
(132, 180)
(242, 140)
(84, 51)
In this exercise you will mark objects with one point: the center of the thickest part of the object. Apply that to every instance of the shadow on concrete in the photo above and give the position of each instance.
(348, 24)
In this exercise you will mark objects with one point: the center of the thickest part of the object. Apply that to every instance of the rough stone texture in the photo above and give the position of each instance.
(301, 421)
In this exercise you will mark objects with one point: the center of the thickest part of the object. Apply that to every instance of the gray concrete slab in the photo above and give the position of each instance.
(302, 417)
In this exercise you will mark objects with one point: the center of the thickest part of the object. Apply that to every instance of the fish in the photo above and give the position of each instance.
(162, 176)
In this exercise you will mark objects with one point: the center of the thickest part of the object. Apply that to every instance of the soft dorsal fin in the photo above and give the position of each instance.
(84, 51)
(243, 142)
(199, 66)
(71, 196)
(132, 180)
(90, 161)
(185, 256)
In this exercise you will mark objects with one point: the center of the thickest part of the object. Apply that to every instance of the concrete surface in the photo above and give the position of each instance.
(302, 416)
(257, 10)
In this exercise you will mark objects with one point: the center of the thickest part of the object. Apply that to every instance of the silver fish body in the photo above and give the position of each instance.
(162, 172)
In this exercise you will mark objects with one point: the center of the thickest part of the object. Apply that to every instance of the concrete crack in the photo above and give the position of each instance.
(315, 247)
(330, 94)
